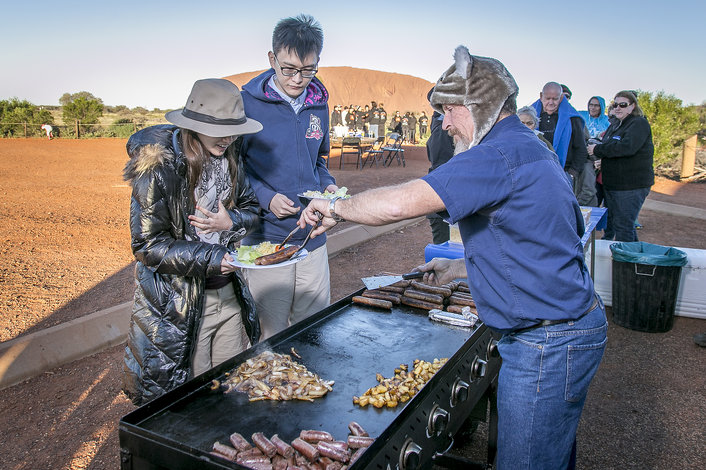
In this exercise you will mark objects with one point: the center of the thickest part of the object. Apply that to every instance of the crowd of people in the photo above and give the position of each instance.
(228, 170)
(373, 121)
(607, 154)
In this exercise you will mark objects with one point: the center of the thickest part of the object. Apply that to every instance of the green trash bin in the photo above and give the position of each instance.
(645, 285)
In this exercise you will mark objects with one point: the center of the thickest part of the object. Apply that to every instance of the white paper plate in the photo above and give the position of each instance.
(300, 256)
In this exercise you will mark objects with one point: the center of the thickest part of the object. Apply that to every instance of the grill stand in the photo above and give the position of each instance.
(450, 460)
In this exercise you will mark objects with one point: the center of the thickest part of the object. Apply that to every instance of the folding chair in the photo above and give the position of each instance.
(374, 153)
(351, 146)
(394, 151)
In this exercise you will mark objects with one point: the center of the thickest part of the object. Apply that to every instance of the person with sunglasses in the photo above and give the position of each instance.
(626, 152)
(288, 158)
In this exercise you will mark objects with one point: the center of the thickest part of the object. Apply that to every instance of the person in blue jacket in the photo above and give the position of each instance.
(286, 159)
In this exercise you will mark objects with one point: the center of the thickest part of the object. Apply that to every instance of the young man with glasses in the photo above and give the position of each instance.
(286, 159)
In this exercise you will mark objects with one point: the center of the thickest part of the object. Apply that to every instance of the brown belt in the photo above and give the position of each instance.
(557, 322)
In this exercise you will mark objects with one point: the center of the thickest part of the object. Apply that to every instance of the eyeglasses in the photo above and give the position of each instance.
(621, 105)
(291, 71)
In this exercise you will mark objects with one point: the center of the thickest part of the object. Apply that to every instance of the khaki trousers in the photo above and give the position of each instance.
(221, 333)
(289, 294)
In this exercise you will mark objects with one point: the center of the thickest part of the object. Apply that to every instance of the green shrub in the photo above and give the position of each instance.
(14, 113)
(671, 124)
(122, 128)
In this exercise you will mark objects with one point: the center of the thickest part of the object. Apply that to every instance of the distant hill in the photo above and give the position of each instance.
(350, 85)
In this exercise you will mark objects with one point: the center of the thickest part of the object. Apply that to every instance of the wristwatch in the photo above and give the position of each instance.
(337, 218)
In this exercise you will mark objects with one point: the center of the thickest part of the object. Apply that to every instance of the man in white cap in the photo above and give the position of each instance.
(521, 228)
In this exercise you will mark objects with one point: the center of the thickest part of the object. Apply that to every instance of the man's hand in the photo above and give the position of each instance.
(281, 206)
(213, 221)
(332, 188)
(439, 271)
(310, 216)
(590, 148)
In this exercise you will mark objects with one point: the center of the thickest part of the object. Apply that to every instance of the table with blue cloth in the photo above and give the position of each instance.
(598, 220)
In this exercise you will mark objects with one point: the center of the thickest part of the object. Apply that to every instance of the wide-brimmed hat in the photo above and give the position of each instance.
(214, 108)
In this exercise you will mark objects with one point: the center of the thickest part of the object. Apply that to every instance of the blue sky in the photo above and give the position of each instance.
(149, 53)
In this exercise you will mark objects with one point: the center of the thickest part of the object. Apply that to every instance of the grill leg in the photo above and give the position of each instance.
(493, 422)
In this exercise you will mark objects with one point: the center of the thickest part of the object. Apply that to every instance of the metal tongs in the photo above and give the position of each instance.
(306, 240)
(308, 235)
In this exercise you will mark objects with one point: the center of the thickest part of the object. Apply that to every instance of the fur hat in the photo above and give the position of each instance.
(482, 84)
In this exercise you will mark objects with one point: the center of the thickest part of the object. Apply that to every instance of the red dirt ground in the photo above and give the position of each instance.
(65, 253)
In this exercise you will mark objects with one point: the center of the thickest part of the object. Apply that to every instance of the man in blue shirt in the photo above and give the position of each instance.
(521, 228)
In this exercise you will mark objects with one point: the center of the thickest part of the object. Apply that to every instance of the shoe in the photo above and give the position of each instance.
(638, 225)
(700, 339)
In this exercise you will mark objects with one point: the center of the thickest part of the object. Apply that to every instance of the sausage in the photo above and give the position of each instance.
(425, 296)
(359, 299)
(402, 283)
(416, 303)
(257, 459)
(376, 294)
(458, 300)
(257, 465)
(264, 444)
(306, 449)
(283, 449)
(356, 455)
(278, 256)
(279, 462)
(394, 289)
(463, 289)
(329, 451)
(357, 430)
(334, 466)
(453, 285)
(357, 442)
(340, 445)
(252, 452)
(239, 442)
(443, 291)
(226, 451)
(315, 436)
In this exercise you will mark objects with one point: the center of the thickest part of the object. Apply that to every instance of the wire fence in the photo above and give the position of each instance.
(123, 128)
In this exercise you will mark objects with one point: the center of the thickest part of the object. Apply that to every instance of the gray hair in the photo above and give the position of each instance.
(529, 111)
(554, 85)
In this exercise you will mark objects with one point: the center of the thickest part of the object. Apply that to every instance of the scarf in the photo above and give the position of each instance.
(562, 133)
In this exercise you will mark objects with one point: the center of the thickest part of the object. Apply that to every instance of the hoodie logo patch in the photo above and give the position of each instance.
(314, 131)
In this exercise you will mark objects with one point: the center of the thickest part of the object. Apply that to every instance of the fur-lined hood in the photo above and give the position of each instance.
(149, 148)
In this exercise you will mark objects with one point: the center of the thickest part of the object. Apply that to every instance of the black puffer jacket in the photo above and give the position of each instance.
(171, 267)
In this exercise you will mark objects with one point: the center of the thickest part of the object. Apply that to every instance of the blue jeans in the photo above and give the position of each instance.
(623, 209)
(542, 387)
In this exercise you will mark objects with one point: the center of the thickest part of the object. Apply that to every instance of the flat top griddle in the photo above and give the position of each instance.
(347, 343)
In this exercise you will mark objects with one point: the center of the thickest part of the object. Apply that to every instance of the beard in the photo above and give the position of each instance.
(461, 142)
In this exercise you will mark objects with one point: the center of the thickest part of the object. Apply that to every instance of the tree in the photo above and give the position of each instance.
(81, 106)
(14, 113)
(671, 124)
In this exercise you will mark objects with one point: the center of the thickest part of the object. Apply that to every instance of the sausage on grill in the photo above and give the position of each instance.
(359, 299)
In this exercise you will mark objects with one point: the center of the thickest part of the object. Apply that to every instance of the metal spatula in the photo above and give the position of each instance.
(381, 281)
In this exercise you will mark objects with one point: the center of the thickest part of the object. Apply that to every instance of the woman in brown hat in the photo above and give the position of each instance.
(191, 203)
